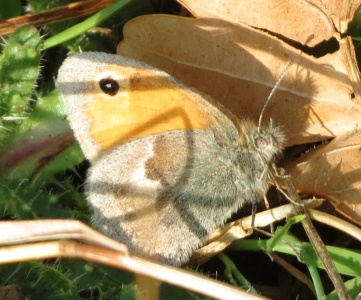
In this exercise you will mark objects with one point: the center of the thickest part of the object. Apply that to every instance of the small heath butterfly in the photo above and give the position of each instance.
(168, 165)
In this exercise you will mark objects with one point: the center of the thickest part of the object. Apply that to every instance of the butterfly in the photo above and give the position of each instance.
(169, 165)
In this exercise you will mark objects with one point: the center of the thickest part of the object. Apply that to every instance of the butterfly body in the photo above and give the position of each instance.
(167, 181)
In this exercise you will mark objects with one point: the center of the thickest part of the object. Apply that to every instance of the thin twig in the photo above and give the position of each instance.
(314, 238)
(175, 276)
(62, 13)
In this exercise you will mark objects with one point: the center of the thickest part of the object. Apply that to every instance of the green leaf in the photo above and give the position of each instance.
(42, 146)
(19, 70)
(39, 281)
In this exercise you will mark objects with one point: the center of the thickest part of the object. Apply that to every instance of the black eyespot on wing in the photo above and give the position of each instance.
(109, 86)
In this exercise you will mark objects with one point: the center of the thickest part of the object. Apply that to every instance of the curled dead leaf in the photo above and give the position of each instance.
(238, 66)
(332, 171)
(307, 22)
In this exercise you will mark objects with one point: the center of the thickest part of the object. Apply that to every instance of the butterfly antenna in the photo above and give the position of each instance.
(273, 91)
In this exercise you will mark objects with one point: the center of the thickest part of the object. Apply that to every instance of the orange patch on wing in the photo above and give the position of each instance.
(151, 104)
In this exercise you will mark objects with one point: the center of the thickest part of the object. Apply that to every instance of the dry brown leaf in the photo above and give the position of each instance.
(307, 22)
(238, 66)
(332, 171)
